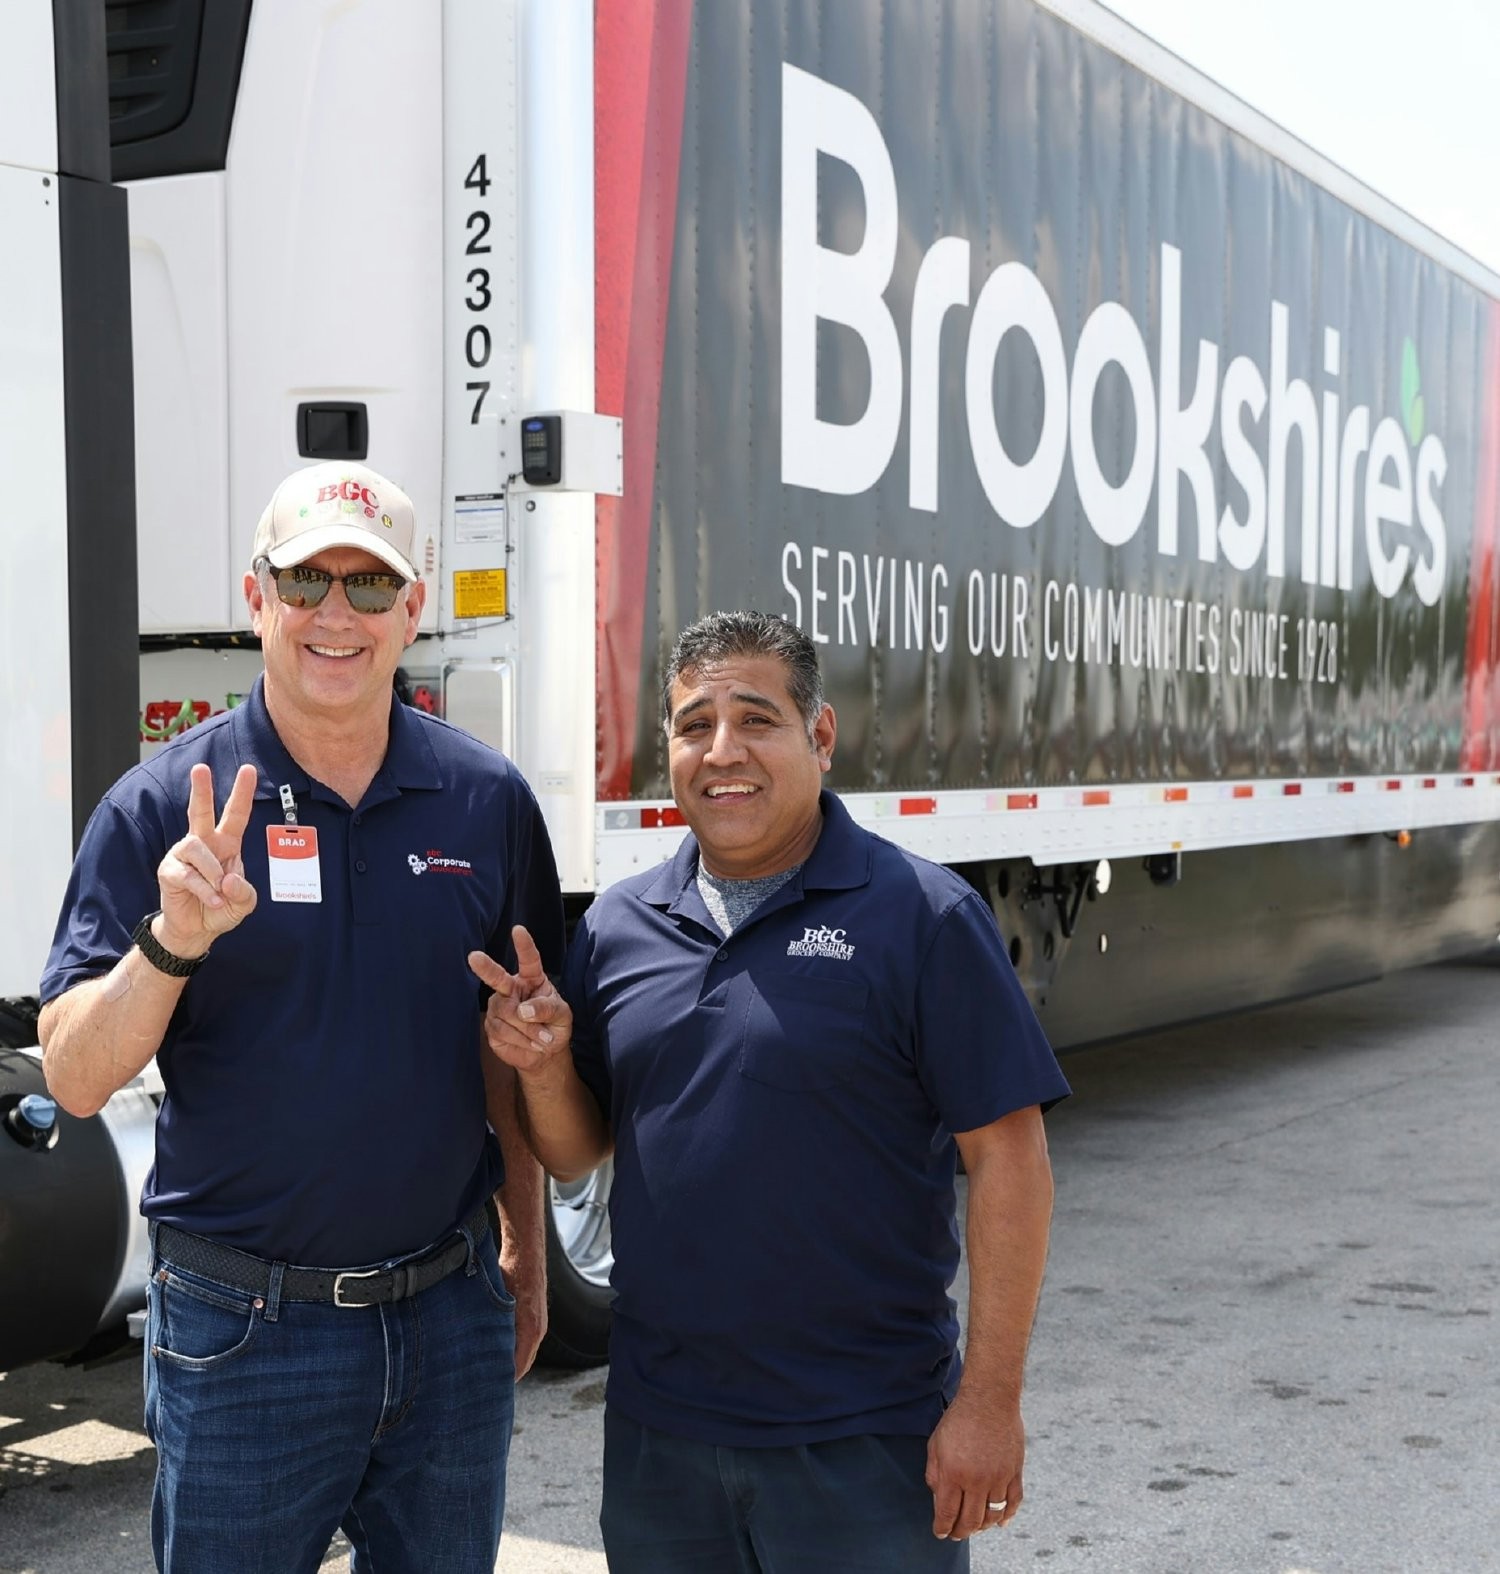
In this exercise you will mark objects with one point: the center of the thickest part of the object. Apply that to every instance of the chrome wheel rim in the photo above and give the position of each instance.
(580, 1215)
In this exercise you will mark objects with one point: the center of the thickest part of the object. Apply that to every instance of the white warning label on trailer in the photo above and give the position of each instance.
(479, 518)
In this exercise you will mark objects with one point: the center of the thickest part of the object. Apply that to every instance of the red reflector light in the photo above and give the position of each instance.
(661, 819)
(1244, 792)
(1393, 786)
(1176, 794)
(1094, 798)
(1020, 800)
(1429, 781)
(919, 806)
(1291, 789)
(1344, 787)
(1465, 781)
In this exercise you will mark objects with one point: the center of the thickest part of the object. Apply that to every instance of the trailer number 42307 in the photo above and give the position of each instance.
(477, 289)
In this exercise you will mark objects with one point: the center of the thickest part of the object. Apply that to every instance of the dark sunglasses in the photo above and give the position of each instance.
(301, 586)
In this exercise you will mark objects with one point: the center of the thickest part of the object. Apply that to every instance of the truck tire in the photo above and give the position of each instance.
(580, 1254)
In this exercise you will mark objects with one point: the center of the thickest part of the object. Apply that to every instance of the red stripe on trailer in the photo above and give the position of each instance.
(640, 87)
(919, 806)
(1480, 748)
(1020, 800)
(1091, 800)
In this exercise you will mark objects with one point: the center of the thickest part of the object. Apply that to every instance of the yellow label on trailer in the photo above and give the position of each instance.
(479, 593)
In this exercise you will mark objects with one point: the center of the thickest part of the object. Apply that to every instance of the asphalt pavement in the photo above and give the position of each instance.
(1267, 1344)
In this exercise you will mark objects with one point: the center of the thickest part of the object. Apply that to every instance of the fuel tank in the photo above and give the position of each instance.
(73, 1247)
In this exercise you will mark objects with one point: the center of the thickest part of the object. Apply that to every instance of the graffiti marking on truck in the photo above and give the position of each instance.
(164, 719)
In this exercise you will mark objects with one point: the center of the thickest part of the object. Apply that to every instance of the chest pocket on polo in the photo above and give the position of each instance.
(802, 1034)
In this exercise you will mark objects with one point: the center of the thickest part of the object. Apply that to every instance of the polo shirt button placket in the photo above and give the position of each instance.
(364, 890)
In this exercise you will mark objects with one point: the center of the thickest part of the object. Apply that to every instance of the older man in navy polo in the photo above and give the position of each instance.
(785, 1035)
(331, 1340)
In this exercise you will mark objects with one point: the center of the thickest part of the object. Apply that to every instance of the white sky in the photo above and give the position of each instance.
(1405, 94)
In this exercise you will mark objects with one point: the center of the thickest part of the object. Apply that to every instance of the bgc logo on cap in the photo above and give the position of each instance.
(362, 498)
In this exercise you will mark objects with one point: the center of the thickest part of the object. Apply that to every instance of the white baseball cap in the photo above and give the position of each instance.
(337, 504)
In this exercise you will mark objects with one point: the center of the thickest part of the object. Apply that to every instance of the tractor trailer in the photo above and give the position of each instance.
(1135, 470)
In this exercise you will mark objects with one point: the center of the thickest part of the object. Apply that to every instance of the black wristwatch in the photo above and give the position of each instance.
(163, 960)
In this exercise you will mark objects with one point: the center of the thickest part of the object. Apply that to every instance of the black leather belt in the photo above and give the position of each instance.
(349, 1287)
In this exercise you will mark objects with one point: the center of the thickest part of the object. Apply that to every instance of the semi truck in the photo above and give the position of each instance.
(1135, 470)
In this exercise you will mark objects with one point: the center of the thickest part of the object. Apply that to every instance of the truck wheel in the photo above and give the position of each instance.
(580, 1254)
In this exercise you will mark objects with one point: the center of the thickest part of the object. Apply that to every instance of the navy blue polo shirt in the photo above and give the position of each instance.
(782, 1105)
(324, 1094)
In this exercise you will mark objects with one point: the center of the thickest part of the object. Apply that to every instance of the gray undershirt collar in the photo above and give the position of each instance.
(731, 902)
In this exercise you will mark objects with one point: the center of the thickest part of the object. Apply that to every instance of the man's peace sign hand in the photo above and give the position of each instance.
(528, 1024)
(204, 891)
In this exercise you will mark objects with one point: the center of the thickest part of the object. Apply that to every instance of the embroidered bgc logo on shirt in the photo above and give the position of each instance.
(822, 941)
(437, 862)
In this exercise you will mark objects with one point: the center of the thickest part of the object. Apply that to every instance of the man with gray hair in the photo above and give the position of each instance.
(330, 1339)
(785, 1036)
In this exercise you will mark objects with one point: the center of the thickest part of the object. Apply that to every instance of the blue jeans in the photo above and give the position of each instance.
(277, 1424)
(856, 1505)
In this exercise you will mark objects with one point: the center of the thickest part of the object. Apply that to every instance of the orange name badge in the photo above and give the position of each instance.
(292, 853)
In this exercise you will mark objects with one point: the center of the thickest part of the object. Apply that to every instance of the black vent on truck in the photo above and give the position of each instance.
(174, 71)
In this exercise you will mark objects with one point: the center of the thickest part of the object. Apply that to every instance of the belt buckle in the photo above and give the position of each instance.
(338, 1287)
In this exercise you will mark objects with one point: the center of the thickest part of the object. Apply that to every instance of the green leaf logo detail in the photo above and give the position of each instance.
(1413, 409)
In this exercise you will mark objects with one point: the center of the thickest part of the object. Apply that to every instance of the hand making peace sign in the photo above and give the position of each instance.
(204, 891)
(527, 1023)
